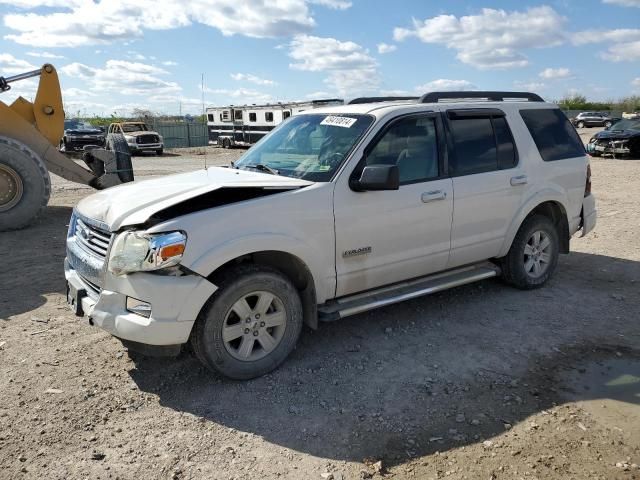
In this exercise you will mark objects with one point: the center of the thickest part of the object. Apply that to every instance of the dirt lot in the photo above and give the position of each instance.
(480, 382)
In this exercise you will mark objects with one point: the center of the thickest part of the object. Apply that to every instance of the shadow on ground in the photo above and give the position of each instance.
(33, 262)
(453, 369)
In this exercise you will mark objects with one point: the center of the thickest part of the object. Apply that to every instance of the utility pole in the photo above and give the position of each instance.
(203, 116)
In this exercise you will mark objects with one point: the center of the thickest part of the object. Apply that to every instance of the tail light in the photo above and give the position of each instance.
(587, 186)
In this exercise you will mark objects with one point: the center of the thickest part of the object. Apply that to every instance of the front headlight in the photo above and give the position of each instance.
(130, 139)
(140, 252)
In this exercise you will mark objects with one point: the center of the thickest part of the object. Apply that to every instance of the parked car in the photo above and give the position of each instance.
(622, 139)
(139, 137)
(337, 211)
(593, 119)
(79, 134)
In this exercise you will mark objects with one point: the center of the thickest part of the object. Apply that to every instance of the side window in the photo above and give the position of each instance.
(554, 136)
(268, 116)
(225, 116)
(475, 146)
(481, 144)
(507, 157)
(237, 114)
(210, 117)
(412, 145)
(286, 114)
(252, 117)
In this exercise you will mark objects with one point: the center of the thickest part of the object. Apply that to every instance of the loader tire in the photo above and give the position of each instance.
(25, 185)
(117, 144)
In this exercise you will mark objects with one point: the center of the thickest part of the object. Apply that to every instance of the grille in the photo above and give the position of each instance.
(147, 139)
(91, 239)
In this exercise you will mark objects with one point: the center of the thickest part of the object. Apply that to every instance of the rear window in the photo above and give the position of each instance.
(553, 134)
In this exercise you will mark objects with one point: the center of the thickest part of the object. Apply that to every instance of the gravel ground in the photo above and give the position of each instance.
(479, 382)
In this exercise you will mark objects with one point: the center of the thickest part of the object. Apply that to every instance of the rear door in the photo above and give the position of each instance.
(488, 182)
(384, 237)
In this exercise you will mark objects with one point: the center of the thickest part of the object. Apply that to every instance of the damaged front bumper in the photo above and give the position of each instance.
(611, 147)
(174, 303)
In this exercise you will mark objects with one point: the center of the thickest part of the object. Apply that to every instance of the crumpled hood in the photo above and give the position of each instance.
(133, 203)
(616, 134)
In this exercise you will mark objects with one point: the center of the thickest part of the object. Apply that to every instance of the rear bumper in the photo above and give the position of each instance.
(175, 304)
(589, 214)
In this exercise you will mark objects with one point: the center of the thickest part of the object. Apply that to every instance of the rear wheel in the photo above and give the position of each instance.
(226, 143)
(25, 185)
(533, 255)
(250, 325)
(580, 125)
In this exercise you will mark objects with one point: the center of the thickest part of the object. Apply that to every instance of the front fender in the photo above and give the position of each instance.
(218, 255)
(541, 196)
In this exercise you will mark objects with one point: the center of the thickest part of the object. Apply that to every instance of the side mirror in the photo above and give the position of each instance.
(379, 177)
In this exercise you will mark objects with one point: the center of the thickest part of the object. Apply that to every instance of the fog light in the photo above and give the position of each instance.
(138, 307)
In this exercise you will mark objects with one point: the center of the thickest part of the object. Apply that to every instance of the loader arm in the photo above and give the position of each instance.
(29, 137)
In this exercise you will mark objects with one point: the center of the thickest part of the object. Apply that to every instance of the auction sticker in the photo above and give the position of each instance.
(335, 121)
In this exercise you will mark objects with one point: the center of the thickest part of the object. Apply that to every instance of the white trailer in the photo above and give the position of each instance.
(244, 125)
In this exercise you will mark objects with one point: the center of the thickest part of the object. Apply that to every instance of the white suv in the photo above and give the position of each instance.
(337, 211)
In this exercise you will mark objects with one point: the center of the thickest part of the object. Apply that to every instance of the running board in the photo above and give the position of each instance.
(399, 292)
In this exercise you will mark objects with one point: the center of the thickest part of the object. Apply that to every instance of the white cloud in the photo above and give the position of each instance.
(444, 84)
(11, 64)
(623, 43)
(247, 77)
(44, 55)
(239, 96)
(349, 66)
(624, 3)
(529, 86)
(386, 48)
(126, 78)
(169, 63)
(493, 38)
(555, 73)
(83, 22)
(335, 4)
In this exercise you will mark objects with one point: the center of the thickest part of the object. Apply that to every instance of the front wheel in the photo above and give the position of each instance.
(580, 125)
(159, 152)
(533, 255)
(250, 325)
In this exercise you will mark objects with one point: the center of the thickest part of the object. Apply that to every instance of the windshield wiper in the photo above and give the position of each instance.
(264, 168)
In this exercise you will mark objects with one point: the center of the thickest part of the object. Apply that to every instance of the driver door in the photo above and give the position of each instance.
(384, 237)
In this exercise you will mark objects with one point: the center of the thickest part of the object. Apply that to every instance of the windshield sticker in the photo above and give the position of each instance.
(344, 122)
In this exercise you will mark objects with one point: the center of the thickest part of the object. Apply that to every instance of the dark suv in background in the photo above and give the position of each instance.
(79, 134)
(593, 119)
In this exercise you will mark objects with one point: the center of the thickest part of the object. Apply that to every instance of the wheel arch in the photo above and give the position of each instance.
(550, 204)
(291, 266)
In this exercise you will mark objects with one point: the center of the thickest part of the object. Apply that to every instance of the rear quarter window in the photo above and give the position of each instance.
(553, 134)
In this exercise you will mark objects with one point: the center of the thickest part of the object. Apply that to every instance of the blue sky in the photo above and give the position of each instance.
(117, 55)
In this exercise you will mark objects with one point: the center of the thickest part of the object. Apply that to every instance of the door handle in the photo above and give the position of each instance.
(433, 196)
(519, 180)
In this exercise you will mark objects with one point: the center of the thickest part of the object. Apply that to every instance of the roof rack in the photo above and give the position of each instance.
(359, 100)
(435, 97)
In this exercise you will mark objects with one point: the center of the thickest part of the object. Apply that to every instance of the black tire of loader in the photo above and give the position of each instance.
(35, 180)
(116, 143)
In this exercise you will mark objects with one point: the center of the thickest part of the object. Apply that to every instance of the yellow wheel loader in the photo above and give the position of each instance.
(29, 137)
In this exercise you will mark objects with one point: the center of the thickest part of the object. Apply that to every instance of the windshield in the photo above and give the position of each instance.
(77, 125)
(311, 147)
(134, 127)
(626, 125)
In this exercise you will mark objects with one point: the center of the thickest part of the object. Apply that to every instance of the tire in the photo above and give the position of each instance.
(116, 143)
(607, 124)
(516, 267)
(227, 356)
(226, 143)
(25, 185)
(580, 125)
(159, 152)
